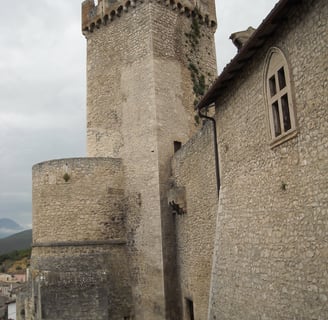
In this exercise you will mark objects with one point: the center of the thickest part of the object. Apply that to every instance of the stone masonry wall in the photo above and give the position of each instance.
(194, 170)
(88, 206)
(177, 49)
(148, 52)
(121, 87)
(79, 241)
(271, 247)
(122, 44)
(80, 282)
(140, 100)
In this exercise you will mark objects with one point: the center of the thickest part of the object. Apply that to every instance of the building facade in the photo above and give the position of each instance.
(144, 228)
(271, 102)
(104, 240)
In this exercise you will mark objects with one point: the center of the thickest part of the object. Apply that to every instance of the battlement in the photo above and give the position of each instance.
(94, 16)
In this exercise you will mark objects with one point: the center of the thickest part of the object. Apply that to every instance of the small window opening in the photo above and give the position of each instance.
(281, 78)
(285, 112)
(35, 311)
(190, 309)
(273, 87)
(276, 119)
(177, 146)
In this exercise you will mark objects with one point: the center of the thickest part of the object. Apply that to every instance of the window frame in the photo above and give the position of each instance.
(279, 94)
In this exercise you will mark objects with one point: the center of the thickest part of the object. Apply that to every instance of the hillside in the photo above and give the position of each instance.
(17, 241)
(15, 262)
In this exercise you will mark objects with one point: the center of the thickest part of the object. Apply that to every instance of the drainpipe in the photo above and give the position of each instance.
(216, 152)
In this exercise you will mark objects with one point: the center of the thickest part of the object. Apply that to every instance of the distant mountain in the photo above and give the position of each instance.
(18, 241)
(9, 227)
(9, 224)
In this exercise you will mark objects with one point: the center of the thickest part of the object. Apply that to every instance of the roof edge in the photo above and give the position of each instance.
(266, 28)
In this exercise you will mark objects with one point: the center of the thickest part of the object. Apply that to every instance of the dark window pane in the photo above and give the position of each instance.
(281, 78)
(276, 119)
(285, 112)
(272, 85)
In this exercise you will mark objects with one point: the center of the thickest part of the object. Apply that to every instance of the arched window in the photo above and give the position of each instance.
(279, 97)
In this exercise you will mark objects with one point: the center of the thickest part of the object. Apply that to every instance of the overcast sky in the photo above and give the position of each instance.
(42, 86)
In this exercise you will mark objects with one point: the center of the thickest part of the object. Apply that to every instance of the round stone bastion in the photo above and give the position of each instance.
(78, 200)
(79, 265)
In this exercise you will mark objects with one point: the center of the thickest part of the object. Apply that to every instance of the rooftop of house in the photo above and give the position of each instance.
(247, 50)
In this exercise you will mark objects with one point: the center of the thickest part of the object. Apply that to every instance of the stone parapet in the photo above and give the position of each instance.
(95, 15)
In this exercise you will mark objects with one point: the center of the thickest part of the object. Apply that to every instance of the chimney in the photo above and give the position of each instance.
(241, 37)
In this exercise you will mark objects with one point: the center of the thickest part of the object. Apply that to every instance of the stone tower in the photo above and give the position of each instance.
(147, 64)
(104, 242)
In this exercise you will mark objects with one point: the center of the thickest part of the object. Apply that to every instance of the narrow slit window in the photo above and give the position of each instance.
(190, 309)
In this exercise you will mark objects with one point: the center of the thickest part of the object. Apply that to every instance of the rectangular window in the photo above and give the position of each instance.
(281, 78)
(272, 85)
(285, 112)
(276, 119)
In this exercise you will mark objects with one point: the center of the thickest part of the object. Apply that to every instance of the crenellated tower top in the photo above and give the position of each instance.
(94, 15)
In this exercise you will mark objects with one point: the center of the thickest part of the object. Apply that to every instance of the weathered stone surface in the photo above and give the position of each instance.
(79, 241)
(146, 64)
(88, 206)
(194, 169)
(133, 236)
(271, 238)
(81, 282)
(140, 100)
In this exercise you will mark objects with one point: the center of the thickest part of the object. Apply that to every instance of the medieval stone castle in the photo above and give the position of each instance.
(217, 214)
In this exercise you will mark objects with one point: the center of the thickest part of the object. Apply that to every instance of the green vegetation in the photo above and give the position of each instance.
(66, 177)
(197, 77)
(16, 255)
(194, 33)
(17, 260)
